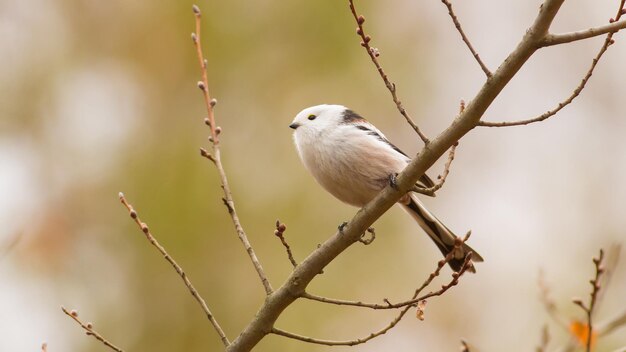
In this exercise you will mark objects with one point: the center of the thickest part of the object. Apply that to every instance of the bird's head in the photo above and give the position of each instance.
(319, 118)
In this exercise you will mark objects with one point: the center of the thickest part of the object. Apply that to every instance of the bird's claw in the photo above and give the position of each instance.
(340, 227)
(393, 181)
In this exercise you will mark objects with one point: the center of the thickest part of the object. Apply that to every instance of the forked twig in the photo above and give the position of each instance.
(88, 327)
(215, 156)
(146, 231)
(373, 54)
(605, 46)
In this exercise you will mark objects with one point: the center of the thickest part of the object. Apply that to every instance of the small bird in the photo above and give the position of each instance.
(354, 161)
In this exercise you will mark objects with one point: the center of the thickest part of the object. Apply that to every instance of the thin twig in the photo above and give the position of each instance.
(430, 191)
(457, 24)
(404, 305)
(215, 157)
(279, 232)
(410, 302)
(595, 288)
(373, 54)
(146, 231)
(88, 327)
(605, 46)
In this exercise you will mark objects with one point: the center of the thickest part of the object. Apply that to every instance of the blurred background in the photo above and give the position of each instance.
(100, 97)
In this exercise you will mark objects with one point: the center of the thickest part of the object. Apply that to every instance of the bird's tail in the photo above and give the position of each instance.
(439, 233)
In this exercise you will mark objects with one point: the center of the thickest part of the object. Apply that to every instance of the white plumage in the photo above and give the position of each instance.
(354, 161)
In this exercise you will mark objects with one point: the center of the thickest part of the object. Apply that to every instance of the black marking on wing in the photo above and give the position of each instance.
(350, 116)
(380, 138)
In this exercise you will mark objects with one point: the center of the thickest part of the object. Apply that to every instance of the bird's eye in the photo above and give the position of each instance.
(311, 117)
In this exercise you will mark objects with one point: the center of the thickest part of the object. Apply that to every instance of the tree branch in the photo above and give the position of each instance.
(414, 299)
(556, 39)
(459, 28)
(88, 327)
(146, 231)
(373, 54)
(262, 324)
(605, 46)
(589, 309)
(215, 157)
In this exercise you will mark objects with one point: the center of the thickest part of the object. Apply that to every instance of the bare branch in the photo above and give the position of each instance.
(556, 39)
(146, 231)
(88, 327)
(215, 156)
(605, 46)
(414, 299)
(589, 309)
(373, 54)
(459, 28)
(279, 232)
(310, 267)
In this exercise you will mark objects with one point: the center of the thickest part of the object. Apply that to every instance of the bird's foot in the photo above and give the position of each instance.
(393, 181)
(340, 227)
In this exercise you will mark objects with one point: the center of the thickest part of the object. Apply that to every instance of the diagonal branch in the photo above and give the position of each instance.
(88, 327)
(459, 28)
(215, 156)
(373, 54)
(146, 231)
(273, 306)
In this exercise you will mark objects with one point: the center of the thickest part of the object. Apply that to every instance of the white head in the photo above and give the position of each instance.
(318, 118)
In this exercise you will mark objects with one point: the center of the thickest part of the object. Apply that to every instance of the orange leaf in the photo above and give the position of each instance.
(580, 331)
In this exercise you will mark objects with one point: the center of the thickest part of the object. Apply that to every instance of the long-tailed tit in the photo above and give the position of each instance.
(354, 161)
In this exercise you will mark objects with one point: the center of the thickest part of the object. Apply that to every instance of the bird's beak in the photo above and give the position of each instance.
(294, 125)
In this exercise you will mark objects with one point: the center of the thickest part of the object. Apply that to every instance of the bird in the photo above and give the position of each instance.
(353, 160)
